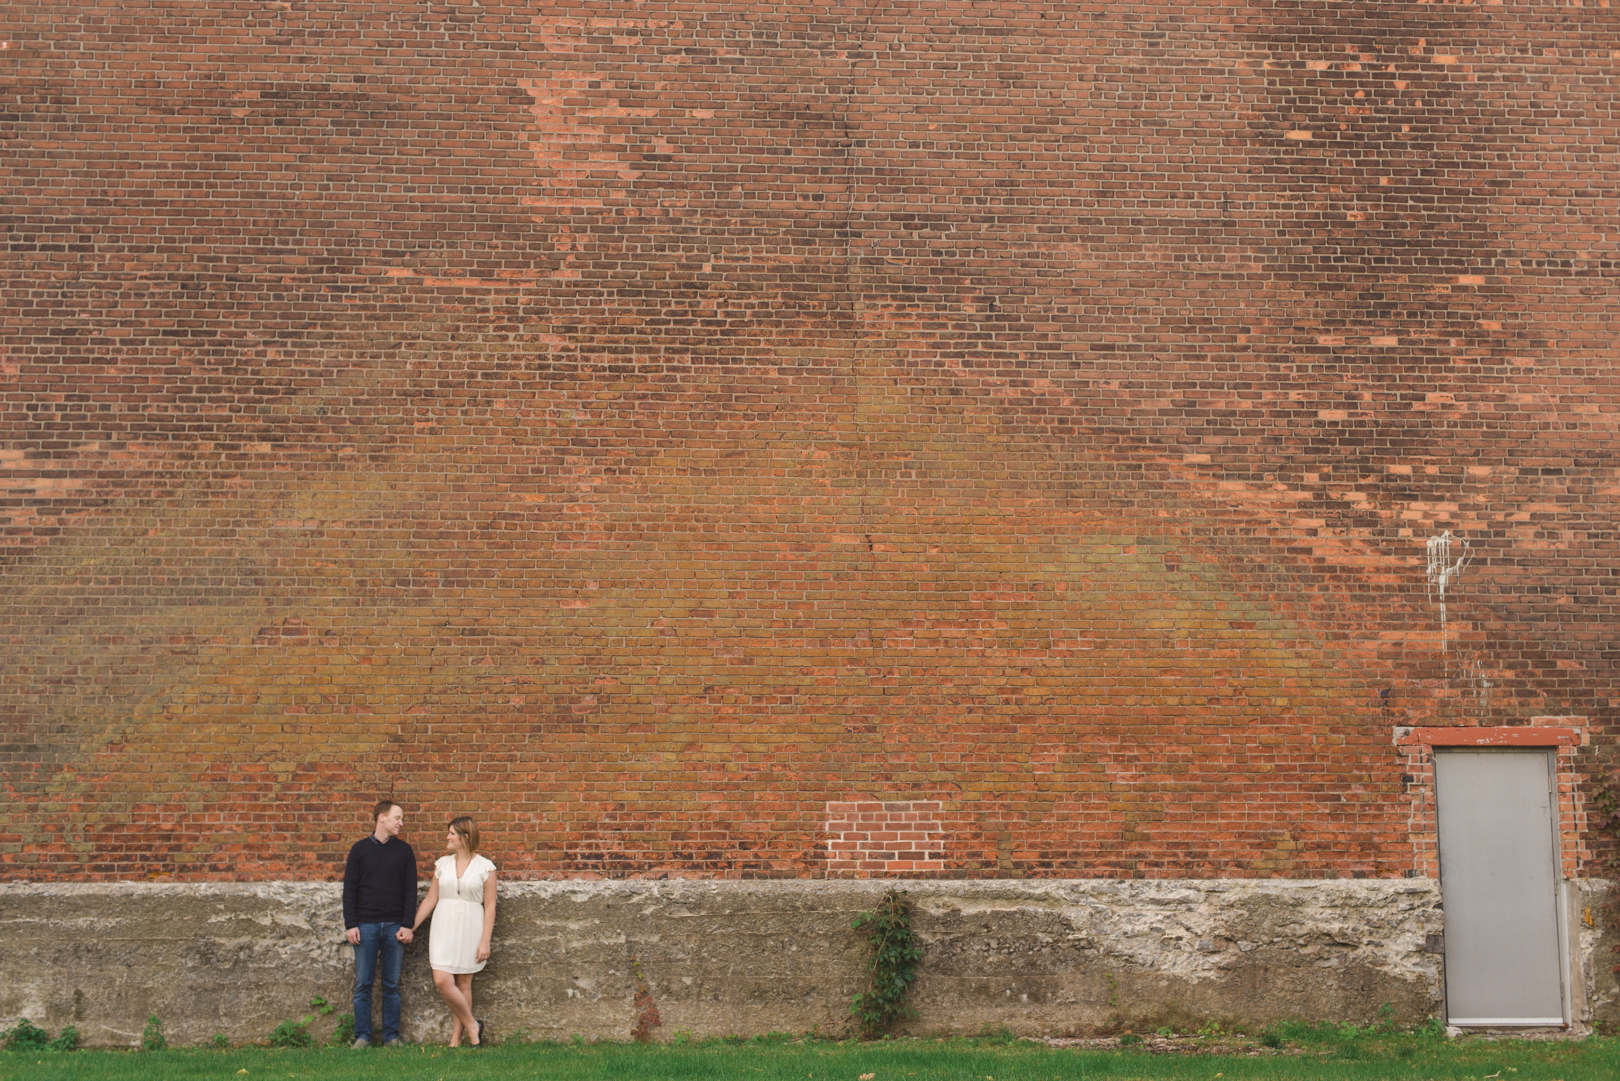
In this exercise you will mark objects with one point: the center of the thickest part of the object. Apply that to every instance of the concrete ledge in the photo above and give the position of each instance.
(722, 956)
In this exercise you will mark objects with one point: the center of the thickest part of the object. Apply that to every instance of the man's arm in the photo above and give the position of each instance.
(351, 895)
(408, 895)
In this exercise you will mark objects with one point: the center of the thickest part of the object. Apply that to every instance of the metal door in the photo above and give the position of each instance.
(1499, 885)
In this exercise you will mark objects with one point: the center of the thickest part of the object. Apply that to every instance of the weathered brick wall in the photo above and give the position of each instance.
(647, 425)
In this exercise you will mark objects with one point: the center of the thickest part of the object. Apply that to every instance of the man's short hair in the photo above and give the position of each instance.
(382, 808)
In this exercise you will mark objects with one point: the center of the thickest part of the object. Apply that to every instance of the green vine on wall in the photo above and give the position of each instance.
(646, 1009)
(892, 967)
(1606, 818)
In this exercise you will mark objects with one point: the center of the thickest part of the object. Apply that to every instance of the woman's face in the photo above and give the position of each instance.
(452, 840)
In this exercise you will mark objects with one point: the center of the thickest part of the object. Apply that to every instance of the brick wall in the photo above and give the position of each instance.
(884, 837)
(647, 425)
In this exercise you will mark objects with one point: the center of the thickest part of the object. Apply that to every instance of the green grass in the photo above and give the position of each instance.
(1306, 1053)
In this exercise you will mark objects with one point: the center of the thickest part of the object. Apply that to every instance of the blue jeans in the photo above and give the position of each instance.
(377, 942)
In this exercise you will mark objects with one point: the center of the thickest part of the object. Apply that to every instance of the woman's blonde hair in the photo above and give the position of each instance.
(468, 829)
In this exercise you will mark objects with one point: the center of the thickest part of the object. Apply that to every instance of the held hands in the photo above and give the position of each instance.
(483, 952)
(352, 935)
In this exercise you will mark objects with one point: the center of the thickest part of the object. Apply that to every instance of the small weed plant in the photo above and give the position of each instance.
(292, 1034)
(891, 968)
(997, 1034)
(296, 1033)
(26, 1036)
(152, 1038)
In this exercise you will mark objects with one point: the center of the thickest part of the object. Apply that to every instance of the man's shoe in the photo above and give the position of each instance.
(395, 1042)
(361, 1041)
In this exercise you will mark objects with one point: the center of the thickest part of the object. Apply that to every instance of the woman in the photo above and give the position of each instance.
(463, 893)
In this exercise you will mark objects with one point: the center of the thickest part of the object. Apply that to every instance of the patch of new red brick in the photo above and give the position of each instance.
(883, 838)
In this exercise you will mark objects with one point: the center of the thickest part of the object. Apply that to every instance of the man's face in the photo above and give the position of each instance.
(392, 821)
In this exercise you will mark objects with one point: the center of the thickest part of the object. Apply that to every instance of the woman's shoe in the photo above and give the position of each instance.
(483, 1029)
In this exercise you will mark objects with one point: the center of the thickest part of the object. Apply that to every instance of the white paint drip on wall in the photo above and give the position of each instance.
(1443, 571)
(1480, 686)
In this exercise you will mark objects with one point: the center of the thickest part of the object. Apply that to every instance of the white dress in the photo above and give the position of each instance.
(458, 918)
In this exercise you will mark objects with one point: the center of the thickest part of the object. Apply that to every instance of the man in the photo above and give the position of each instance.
(379, 906)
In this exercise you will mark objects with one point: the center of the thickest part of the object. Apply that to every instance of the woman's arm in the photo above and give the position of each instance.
(489, 918)
(425, 909)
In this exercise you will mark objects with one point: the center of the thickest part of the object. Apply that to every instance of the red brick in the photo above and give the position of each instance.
(1004, 412)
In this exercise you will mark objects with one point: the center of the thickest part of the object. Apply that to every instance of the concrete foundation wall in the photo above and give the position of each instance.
(721, 957)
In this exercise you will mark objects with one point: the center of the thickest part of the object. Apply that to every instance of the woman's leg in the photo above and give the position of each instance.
(460, 1008)
(464, 985)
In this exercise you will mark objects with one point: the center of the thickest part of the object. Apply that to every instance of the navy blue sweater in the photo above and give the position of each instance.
(379, 883)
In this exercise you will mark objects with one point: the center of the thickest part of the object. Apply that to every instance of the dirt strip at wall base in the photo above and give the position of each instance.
(713, 957)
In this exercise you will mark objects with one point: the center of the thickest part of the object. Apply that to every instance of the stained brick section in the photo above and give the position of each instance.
(643, 425)
(884, 838)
